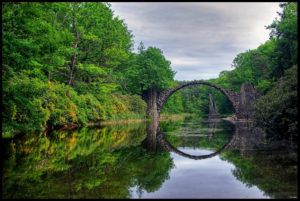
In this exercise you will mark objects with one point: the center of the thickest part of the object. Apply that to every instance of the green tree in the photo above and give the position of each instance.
(151, 70)
(33, 40)
(285, 31)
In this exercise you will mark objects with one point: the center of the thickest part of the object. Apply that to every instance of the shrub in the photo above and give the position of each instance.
(29, 104)
(276, 111)
(137, 105)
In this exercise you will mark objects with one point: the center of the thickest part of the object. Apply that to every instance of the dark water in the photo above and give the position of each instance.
(188, 158)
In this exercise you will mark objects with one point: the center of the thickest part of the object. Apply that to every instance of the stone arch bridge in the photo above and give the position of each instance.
(241, 101)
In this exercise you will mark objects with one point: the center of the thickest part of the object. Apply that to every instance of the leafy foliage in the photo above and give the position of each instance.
(277, 110)
(151, 70)
(30, 104)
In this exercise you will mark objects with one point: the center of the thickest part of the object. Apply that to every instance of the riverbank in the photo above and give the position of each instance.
(175, 116)
(71, 126)
(130, 121)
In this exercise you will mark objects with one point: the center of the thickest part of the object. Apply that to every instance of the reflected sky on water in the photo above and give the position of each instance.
(209, 178)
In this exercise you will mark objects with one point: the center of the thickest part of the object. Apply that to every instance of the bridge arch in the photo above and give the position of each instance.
(164, 95)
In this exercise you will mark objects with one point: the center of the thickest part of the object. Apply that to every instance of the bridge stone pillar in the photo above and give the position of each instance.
(248, 95)
(151, 97)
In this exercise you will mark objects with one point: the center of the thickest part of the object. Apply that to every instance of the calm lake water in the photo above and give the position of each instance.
(185, 158)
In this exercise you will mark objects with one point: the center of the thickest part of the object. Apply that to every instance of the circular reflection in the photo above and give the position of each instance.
(242, 134)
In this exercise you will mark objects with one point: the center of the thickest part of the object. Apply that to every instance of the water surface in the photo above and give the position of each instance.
(187, 158)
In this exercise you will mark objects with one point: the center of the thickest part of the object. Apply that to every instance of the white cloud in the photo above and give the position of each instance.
(201, 36)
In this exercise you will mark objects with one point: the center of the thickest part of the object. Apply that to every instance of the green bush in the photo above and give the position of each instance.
(137, 105)
(29, 104)
(276, 111)
(22, 109)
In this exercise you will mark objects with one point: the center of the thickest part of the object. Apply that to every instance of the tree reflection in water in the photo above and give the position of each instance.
(107, 162)
(86, 163)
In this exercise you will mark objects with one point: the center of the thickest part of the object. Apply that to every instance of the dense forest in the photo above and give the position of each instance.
(73, 62)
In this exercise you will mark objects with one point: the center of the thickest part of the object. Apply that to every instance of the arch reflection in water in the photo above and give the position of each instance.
(244, 138)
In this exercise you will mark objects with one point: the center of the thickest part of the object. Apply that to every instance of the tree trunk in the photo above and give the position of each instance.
(73, 62)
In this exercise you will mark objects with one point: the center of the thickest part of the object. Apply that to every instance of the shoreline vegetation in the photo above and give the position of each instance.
(71, 126)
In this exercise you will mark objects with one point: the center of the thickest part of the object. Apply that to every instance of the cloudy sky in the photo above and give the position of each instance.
(200, 39)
